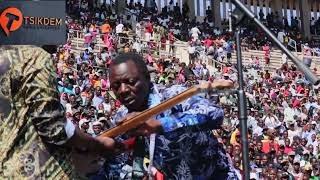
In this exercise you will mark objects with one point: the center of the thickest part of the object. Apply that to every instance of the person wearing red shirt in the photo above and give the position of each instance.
(171, 41)
(287, 148)
(208, 42)
(148, 31)
(163, 42)
(266, 49)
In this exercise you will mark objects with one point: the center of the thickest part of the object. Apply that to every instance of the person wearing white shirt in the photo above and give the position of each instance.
(312, 103)
(293, 91)
(105, 55)
(78, 59)
(234, 122)
(312, 21)
(106, 107)
(292, 132)
(119, 28)
(137, 46)
(69, 108)
(288, 114)
(313, 141)
(281, 35)
(191, 51)
(258, 130)
(217, 31)
(176, 32)
(252, 122)
(90, 49)
(308, 132)
(271, 121)
(284, 58)
(171, 6)
(220, 54)
(195, 32)
(138, 30)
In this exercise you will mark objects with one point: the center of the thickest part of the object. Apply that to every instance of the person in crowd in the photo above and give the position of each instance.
(36, 137)
(130, 81)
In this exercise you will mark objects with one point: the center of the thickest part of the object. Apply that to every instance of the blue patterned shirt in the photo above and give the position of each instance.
(186, 149)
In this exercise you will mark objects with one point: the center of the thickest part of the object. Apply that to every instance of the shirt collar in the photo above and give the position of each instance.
(154, 97)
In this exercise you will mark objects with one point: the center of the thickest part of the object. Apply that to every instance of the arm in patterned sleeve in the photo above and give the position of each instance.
(45, 110)
(35, 86)
(195, 112)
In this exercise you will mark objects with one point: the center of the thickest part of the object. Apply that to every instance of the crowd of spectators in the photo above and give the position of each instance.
(283, 107)
(283, 123)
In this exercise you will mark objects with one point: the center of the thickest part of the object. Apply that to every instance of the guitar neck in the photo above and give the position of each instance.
(149, 113)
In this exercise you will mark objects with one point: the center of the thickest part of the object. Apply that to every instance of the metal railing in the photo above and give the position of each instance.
(314, 52)
(178, 47)
(160, 48)
(76, 34)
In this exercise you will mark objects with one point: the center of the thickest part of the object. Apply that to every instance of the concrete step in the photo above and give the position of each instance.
(182, 54)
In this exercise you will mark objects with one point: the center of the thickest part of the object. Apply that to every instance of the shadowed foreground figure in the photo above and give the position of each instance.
(35, 137)
(185, 147)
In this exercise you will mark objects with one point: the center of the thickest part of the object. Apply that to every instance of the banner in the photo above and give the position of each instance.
(27, 22)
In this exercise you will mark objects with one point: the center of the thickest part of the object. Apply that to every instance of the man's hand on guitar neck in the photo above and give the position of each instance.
(222, 84)
(149, 127)
(217, 85)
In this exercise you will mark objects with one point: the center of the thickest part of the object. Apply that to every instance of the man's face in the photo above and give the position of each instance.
(98, 92)
(258, 160)
(314, 162)
(72, 99)
(65, 96)
(237, 150)
(260, 124)
(291, 127)
(238, 139)
(85, 126)
(237, 162)
(281, 149)
(259, 146)
(285, 166)
(310, 148)
(130, 85)
(77, 90)
(304, 142)
(313, 137)
(106, 98)
(77, 116)
(97, 129)
(264, 160)
(296, 167)
(88, 100)
(273, 174)
(229, 149)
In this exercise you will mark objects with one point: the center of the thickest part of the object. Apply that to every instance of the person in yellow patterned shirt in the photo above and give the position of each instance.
(35, 138)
